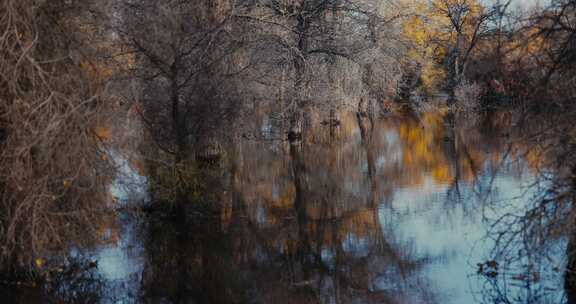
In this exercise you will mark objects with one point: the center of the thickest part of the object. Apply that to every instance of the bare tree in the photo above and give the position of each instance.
(467, 26)
(184, 52)
(557, 27)
(304, 35)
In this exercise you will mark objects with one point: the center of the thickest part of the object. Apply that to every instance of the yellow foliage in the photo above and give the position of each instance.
(39, 263)
(525, 46)
(431, 34)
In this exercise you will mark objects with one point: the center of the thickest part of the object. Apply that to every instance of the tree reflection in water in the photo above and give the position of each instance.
(382, 211)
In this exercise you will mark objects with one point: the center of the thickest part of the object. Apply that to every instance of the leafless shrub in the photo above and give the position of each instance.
(52, 178)
(468, 95)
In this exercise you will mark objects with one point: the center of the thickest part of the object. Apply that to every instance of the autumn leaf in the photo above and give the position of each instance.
(39, 263)
(103, 132)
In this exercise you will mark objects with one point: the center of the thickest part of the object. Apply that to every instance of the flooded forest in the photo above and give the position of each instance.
(288, 151)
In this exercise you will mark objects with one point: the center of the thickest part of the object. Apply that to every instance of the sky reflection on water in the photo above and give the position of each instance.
(400, 213)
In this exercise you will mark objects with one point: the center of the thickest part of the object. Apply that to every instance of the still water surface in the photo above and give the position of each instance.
(401, 211)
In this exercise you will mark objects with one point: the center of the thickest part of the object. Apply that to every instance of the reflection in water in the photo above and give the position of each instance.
(394, 210)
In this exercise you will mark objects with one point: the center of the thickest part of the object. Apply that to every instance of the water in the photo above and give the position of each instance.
(401, 212)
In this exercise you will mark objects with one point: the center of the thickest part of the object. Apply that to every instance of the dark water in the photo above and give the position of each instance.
(401, 211)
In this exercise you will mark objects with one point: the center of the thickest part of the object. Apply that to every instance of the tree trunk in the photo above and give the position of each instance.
(177, 130)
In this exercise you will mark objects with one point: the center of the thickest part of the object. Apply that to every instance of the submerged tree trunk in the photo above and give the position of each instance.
(177, 131)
